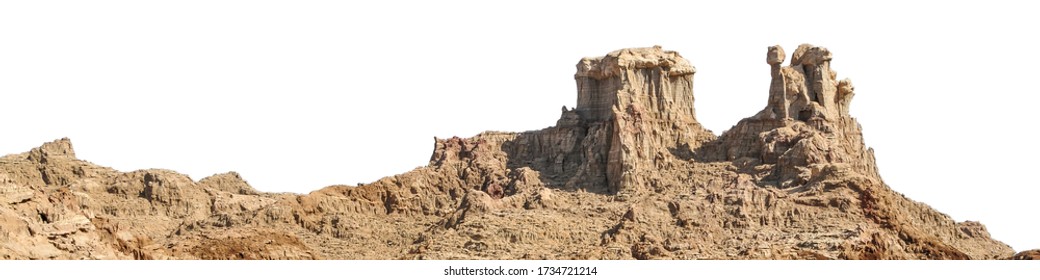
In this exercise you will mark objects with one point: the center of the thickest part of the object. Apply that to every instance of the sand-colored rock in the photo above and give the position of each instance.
(627, 174)
(1027, 255)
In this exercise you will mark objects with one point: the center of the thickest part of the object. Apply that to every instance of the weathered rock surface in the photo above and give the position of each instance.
(628, 173)
(1027, 255)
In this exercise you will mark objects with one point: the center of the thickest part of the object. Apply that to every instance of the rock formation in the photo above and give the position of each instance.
(628, 173)
(635, 111)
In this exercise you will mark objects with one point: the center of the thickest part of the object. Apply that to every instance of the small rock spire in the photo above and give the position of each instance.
(807, 88)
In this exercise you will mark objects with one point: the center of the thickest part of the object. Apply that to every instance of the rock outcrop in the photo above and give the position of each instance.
(635, 113)
(804, 127)
(1027, 255)
(628, 173)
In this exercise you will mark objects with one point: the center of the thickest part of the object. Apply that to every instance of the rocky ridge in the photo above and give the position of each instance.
(628, 173)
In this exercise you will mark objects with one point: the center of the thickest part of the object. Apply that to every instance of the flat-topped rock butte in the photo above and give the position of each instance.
(627, 174)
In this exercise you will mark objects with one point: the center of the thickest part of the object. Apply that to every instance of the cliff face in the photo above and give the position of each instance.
(635, 112)
(628, 173)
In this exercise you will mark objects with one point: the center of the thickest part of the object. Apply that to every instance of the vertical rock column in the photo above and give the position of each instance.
(777, 87)
(807, 88)
(641, 101)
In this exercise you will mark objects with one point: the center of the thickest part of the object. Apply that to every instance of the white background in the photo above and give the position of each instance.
(298, 95)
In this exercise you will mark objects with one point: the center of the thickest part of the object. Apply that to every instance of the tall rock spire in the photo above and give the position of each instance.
(644, 99)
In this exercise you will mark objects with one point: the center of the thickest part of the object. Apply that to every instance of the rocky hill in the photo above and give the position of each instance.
(628, 173)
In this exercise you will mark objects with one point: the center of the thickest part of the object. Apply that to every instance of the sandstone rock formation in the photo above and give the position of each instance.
(628, 173)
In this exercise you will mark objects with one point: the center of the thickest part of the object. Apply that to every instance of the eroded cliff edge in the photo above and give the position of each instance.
(628, 173)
